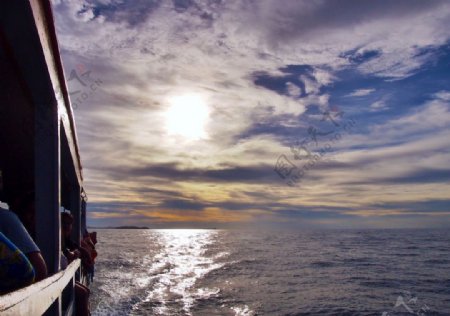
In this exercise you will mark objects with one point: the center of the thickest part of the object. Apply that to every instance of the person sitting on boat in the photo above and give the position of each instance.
(23, 205)
(12, 228)
(72, 251)
(16, 270)
(93, 236)
(89, 241)
(88, 244)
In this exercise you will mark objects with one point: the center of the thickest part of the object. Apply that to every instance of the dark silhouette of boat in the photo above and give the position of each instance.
(39, 149)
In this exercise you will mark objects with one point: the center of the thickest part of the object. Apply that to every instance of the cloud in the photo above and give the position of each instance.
(293, 90)
(182, 205)
(361, 92)
(427, 206)
(418, 176)
(431, 116)
(379, 105)
(267, 72)
(443, 95)
(300, 19)
(228, 174)
(363, 27)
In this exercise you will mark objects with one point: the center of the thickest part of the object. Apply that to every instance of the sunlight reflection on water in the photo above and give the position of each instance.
(182, 261)
(244, 273)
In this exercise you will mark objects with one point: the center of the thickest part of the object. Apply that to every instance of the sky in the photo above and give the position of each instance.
(268, 113)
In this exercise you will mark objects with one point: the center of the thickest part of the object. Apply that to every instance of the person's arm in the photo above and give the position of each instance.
(39, 265)
(71, 255)
(87, 244)
(17, 233)
(86, 256)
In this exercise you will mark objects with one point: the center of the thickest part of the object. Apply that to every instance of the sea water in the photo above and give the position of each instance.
(247, 272)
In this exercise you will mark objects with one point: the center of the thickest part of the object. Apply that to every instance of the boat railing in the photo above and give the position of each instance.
(37, 298)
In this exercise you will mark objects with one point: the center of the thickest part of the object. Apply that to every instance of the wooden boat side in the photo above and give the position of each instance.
(38, 297)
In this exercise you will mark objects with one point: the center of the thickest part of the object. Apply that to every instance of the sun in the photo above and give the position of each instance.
(187, 116)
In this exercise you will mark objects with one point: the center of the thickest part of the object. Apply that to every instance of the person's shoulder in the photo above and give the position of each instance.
(14, 230)
(10, 222)
(8, 215)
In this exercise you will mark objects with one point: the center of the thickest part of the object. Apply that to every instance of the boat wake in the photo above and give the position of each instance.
(165, 281)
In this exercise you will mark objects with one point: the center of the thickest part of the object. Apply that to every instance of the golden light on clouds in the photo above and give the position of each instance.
(208, 215)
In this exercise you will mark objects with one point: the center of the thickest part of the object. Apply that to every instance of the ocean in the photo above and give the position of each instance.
(246, 272)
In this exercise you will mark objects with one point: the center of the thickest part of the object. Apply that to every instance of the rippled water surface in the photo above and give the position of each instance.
(228, 272)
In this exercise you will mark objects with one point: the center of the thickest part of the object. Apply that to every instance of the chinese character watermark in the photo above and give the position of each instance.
(284, 167)
(82, 85)
(314, 148)
(103, 308)
(406, 302)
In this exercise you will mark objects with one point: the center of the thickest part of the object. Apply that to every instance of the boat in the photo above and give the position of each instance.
(39, 149)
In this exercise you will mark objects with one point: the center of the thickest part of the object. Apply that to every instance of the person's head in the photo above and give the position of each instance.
(23, 204)
(66, 223)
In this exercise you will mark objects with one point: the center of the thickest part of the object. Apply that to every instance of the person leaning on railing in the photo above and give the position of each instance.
(88, 242)
(72, 251)
(23, 208)
(17, 235)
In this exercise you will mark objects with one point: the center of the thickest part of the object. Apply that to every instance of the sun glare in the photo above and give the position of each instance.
(187, 116)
